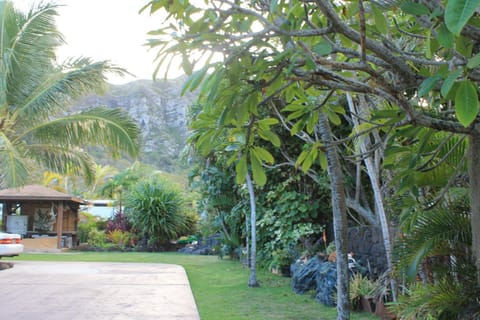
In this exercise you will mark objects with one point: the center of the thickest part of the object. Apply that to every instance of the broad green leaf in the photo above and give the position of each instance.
(270, 136)
(381, 23)
(322, 158)
(194, 80)
(258, 172)
(414, 8)
(464, 46)
(298, 126)
(466, 103)
(310, 159)
(445, 37)
(458, 12)
(241, 169)
(267, 122)
(449, 81)
(334, 118)
(427, 85)
(303, 155)
(187, 66)
(474, 61)
(263, 154)
(323, 48)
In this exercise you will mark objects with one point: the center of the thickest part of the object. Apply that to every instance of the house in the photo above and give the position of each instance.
(46, 218)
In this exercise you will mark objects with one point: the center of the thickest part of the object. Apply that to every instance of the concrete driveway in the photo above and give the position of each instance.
(91, 290)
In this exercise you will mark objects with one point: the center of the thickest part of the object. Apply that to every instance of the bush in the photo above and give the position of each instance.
(97, 239)
(87, 223)
(121, 238)
(119, 221)
(157, 211)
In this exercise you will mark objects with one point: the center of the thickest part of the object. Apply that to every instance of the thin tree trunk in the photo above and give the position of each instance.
(474, 177)
(373, 175)
(252, 281)
(247, 232)
(339, 218)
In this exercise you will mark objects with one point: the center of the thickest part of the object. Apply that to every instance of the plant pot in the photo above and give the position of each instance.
(367, 304)
(382, 312)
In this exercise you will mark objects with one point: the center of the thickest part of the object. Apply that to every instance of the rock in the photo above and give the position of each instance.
(6, 265)
(304, 276)
(326, 283)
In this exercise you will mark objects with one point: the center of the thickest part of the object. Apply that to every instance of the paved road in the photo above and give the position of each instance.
(91, 290)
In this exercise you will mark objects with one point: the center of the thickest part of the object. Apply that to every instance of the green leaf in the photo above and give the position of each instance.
(263, 154)
(270, 136)
(414, 8)
(427, 85)
(445, 37)
(259, 175)
(381, 23)
(474, 61)
(187, 66)
(466, 103)
(241, 169)
(323, 48)
(310, 159)
(458, 12)
(449, 81)
(464, 46)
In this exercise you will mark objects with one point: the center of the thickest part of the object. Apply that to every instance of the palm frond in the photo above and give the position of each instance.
(58, 89)
(439, 231)
(33, 41)
(63, 160)
(14, 169)
(98, 126)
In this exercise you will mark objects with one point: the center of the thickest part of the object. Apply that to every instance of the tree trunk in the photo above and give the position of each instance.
(474, 177)
(339, 218)
(373, 175)
(252, 281)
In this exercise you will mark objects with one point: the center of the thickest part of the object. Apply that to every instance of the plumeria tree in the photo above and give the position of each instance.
(415, 63)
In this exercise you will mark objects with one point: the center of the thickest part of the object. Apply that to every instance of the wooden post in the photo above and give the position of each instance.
(59, 225)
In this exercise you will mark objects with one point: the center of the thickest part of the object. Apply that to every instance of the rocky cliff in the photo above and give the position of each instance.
(160, 111)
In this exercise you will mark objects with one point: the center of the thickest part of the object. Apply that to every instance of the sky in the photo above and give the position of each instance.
(111, 30)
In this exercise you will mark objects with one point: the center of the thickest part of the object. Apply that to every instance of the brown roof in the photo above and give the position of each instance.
(37, 192)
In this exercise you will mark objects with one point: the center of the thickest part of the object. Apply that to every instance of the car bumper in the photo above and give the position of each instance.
(11, 250)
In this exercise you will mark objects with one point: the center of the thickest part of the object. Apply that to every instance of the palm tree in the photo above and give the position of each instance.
(35, 92)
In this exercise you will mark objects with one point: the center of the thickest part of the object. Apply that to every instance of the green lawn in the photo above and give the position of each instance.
(220, 287)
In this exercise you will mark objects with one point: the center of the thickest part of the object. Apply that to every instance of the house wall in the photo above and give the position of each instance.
(70, 217)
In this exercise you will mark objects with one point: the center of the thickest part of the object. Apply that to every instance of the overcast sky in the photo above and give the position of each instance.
(107, 30)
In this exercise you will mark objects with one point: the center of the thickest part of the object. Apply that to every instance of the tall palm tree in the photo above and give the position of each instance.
(35, 93)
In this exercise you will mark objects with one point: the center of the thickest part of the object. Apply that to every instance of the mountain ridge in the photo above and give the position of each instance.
(160, 112)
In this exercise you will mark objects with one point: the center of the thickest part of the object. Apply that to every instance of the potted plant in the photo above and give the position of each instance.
(362, 293)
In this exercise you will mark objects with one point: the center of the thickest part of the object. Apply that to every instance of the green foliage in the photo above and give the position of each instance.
(121, 238)
(156, 209)
(359, 287)
(291, 217)
(97, 239)
(87, 223)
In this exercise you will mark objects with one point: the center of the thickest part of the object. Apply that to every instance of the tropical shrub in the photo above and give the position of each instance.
(121, 238)
(87, 223)
(156, 210)
(97, 239)
(119, 221)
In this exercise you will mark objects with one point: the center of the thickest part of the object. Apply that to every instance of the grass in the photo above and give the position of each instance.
(220, 287)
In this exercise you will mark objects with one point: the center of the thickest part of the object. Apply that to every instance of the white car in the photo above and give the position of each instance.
(10, 244)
